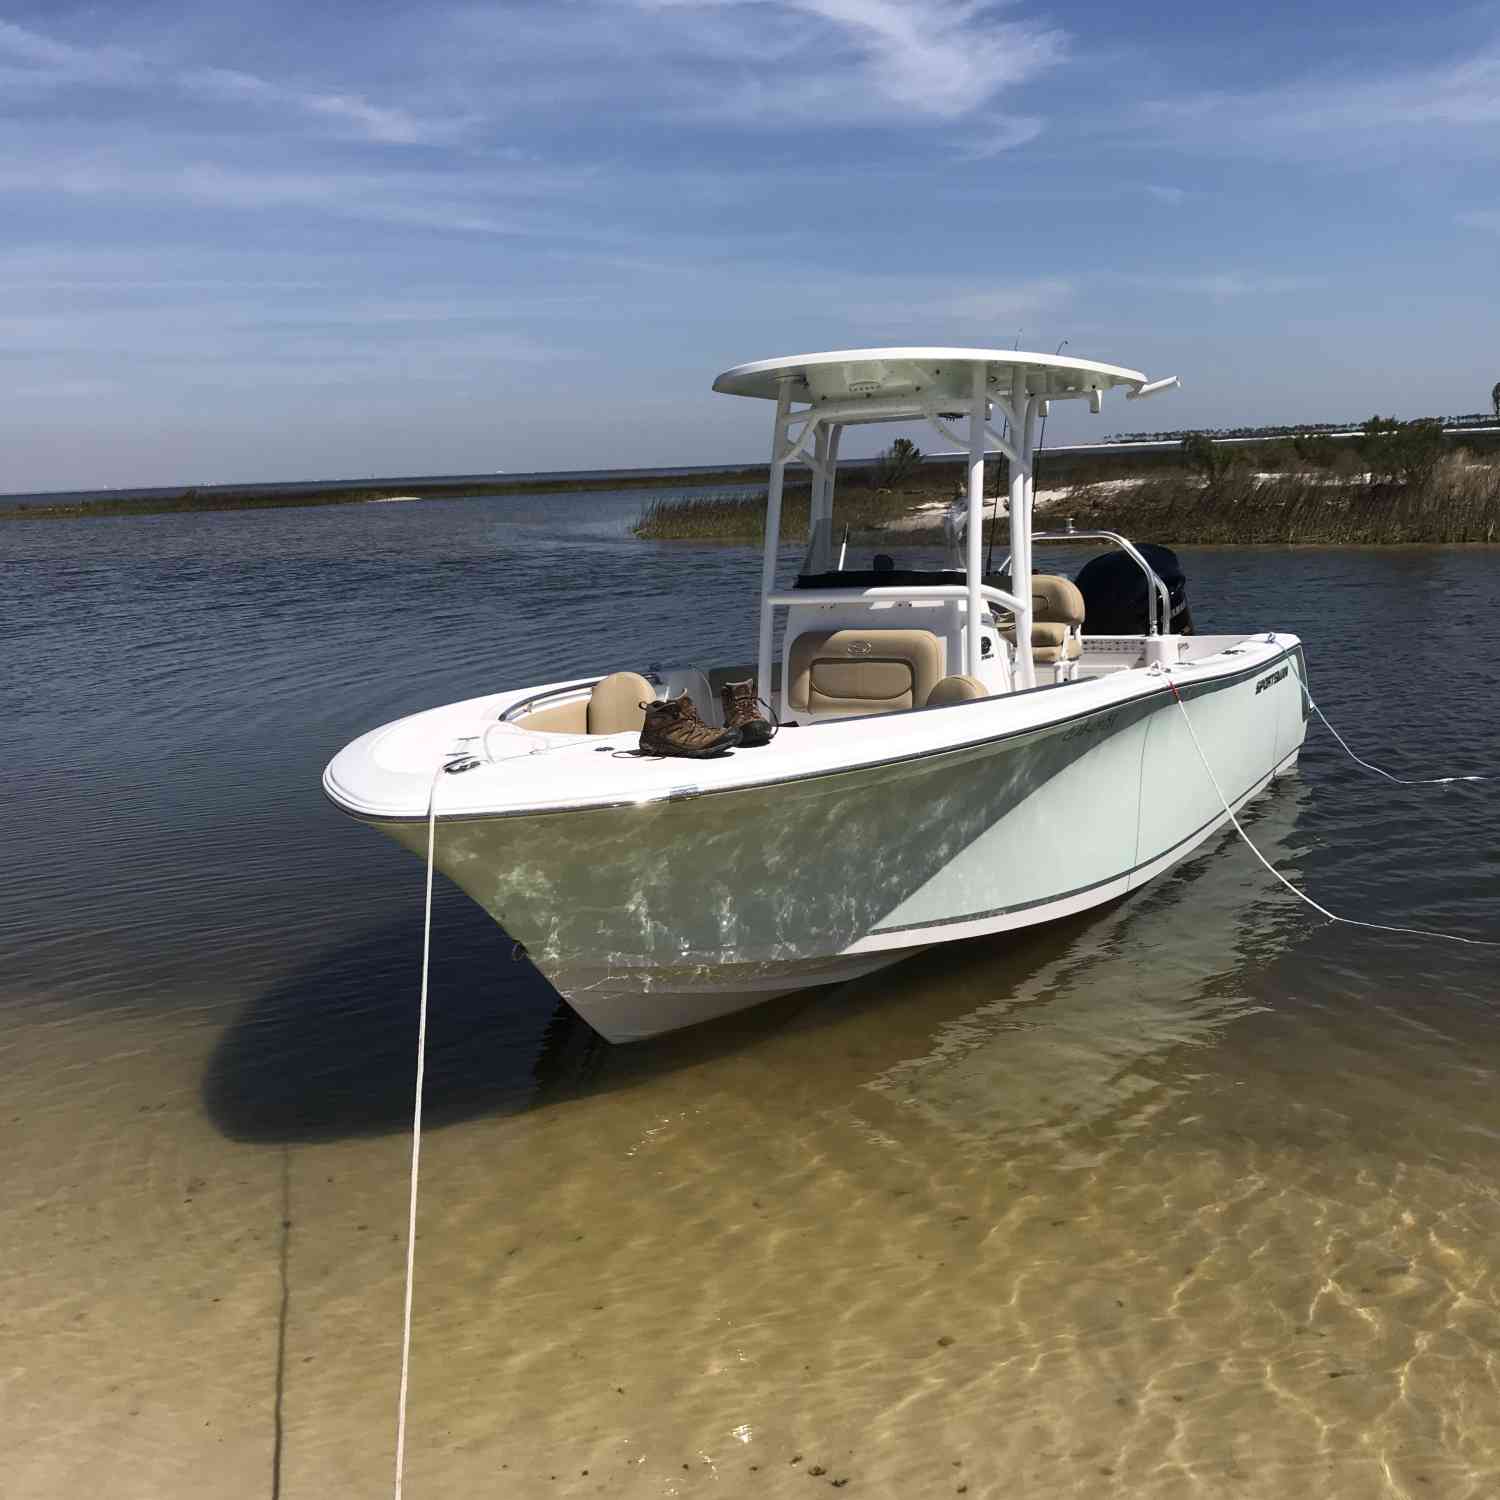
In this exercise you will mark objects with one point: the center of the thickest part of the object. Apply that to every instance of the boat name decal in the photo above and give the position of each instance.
(1272, 679)
(1095, 724)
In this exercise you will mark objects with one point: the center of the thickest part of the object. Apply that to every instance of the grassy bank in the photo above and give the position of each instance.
(1460, 502)
(188, 502)
(741, 517)
(1453, 499)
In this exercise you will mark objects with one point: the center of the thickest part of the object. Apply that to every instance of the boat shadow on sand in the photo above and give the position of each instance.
(328, 1052)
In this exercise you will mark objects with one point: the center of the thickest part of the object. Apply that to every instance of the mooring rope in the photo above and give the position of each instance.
(1426, 932)
(416, 1136)
(1399, 780)
(457, 762)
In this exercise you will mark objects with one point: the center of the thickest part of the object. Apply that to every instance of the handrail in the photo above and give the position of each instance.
(522, 706)
(1154, 586)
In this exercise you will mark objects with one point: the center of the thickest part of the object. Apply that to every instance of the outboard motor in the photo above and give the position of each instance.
(1116, 593)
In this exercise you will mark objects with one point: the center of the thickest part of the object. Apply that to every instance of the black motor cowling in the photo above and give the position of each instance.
(1116, 593)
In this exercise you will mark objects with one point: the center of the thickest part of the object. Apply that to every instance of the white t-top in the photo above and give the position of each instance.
(939, 374)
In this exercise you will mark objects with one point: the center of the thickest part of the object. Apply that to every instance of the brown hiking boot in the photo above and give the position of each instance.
(674, 728)
(742, 712)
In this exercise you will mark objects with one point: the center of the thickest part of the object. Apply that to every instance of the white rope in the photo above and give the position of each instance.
(416, 1137)
(456, 763)
(1399, 780)
(1301, 895)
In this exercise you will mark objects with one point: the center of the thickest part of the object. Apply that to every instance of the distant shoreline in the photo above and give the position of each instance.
(1151, 470)
(1072, 465)
(194, 500)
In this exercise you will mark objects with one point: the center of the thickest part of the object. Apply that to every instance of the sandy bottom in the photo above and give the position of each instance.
(1139, 1205)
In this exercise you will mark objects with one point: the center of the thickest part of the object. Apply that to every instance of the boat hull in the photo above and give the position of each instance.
(650, 917)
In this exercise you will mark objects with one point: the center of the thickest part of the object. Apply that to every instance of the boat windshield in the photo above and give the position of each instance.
(828, 543)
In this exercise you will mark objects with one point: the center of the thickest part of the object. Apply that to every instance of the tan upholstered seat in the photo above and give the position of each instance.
(1056, 619)
(959, 688)
(1052, 642)
(1056, 600)
(558, 718)
(862, 670)
(615, 703)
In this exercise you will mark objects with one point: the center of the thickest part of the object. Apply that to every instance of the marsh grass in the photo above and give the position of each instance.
(1457, 501)
(740, 516)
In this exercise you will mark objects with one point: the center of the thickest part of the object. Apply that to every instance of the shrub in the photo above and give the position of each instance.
(896, 465)
(1208, 460)
(1405, 453)
(1317, 450)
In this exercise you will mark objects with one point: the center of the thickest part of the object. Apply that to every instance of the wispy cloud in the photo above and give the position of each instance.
(1169, 195)
(480, 199)
(996, 136)
(326, 339)
(786, 62)
(39, 64)
(978, 312)
(350, 113)
(1334, 115)
(1228, 285)
(29, 59)
(64, 390)
(939, 57)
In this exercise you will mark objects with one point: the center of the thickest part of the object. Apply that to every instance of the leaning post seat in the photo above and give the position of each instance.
(1056, 619)
(861, 670)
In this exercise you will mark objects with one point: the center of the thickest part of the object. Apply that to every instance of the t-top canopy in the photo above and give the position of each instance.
(925, 375)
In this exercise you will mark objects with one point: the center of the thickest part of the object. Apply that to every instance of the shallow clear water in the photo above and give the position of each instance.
(1191, 1195)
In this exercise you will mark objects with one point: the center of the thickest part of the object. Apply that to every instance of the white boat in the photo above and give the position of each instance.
(957, 757)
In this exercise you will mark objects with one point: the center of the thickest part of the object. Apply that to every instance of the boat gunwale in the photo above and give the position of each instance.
(1184, 690)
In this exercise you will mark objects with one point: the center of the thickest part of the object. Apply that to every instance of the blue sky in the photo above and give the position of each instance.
(278, 241)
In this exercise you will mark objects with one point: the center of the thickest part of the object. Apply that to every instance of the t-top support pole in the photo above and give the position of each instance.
(831, 460)
(820, 523)
(779, 455)
(1023, 433)
(978, 416)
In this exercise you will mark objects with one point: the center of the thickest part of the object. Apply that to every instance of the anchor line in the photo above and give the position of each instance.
(416, 1137)
(1399, 780)
(456, 763)
(1427, 932)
